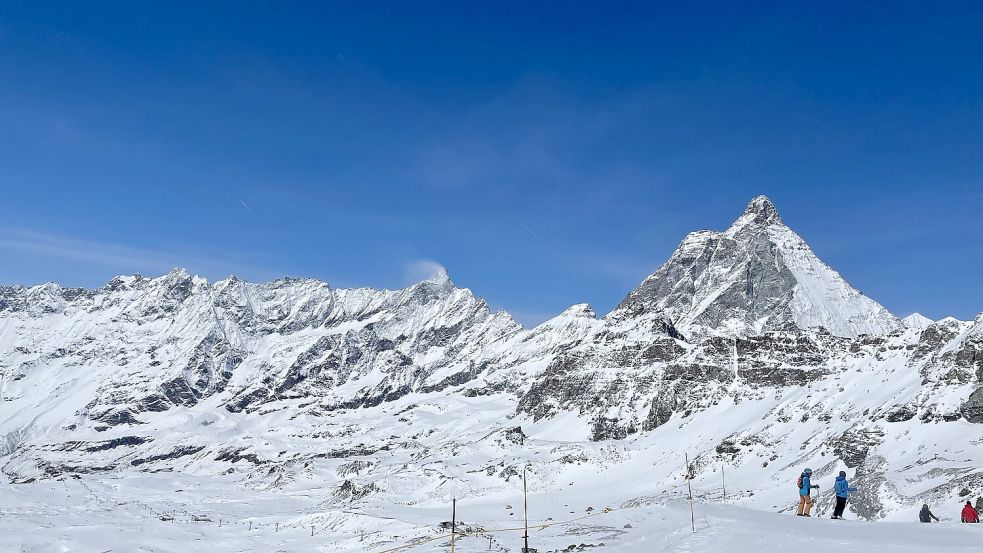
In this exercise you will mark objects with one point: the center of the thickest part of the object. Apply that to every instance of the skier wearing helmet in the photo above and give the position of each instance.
(805, 487)
(843, 491)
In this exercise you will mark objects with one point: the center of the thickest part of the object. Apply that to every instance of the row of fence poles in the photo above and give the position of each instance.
(689, 476)
(525, 515)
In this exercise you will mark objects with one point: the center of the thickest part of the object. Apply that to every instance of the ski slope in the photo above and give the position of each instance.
(175, 514)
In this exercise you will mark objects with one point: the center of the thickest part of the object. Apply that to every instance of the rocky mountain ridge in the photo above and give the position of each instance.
(744, 348)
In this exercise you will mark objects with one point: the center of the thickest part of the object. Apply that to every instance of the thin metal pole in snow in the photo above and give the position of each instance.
(723, 482)
(525, 508)
(689, 485)
(453, 522)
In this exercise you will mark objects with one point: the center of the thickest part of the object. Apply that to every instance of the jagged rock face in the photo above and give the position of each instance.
(743, 348)
(142, 347)
(757, 275)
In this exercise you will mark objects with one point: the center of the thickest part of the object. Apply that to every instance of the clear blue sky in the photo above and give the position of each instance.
(545, 153)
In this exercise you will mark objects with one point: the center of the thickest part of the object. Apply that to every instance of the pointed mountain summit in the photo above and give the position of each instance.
(440, 277)
(917, 321)
(757, 275)
(759, 212)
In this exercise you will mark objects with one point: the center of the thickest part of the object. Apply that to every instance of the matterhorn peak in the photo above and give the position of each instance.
(757, 275)
(760, 212)
(763, 210)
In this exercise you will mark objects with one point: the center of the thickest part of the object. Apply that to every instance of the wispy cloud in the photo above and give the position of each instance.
(273, 211)
(536, 134)
(422, 269)
(72, 249)
(115, 258)
(626, 270)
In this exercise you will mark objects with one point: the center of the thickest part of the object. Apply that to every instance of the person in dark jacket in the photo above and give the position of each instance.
(979, 504)
(805, 487)
(970, 514)
(925, 515)
(843, 491)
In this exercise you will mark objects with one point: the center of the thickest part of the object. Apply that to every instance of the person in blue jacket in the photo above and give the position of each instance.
(805, 487)
(843, 491)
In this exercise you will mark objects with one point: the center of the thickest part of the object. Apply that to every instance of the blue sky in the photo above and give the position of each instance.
(546, 154)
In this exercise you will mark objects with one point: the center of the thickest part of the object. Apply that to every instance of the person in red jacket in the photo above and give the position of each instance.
(969, 513)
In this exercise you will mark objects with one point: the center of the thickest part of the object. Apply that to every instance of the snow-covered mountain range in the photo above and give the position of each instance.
(744, 349)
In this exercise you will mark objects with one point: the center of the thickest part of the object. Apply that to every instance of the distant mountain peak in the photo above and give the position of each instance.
(440, 277)
(757, 275)
(579, 310)
(917, 321)
(760, 213)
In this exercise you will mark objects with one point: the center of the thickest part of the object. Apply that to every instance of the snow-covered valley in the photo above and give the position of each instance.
(359, 414)
(175, 514)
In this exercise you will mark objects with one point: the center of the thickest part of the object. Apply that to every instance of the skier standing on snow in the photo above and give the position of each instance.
(925, 515)
(970, 514)
(979, 504)
(805, 487)
(843, 491)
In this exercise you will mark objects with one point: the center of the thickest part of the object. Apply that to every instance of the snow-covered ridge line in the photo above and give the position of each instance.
(756, 275)
(743, 349)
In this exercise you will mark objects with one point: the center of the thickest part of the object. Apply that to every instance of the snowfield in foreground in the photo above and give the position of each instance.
(163, 513)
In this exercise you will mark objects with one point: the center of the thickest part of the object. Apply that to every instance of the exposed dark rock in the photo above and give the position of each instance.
(854, 445)
(182, 451)
(115, 417)
(605, 428)
(350, 491)
(179, 392)
(728, 447)
(902, 413)
(234, 455)
(972, 409)
(118, 442)
(243, 401)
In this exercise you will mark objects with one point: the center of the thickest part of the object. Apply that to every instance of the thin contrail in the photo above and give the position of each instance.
(245, 205)
(525, 226)
(271, 211)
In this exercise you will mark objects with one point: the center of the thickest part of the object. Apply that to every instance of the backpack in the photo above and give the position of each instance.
(798, 483)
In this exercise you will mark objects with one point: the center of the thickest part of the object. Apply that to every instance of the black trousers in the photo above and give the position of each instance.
(840, 505)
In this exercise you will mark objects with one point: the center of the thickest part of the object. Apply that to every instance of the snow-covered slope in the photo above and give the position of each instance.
(743, 350)
(110, 516)
(917, 321)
